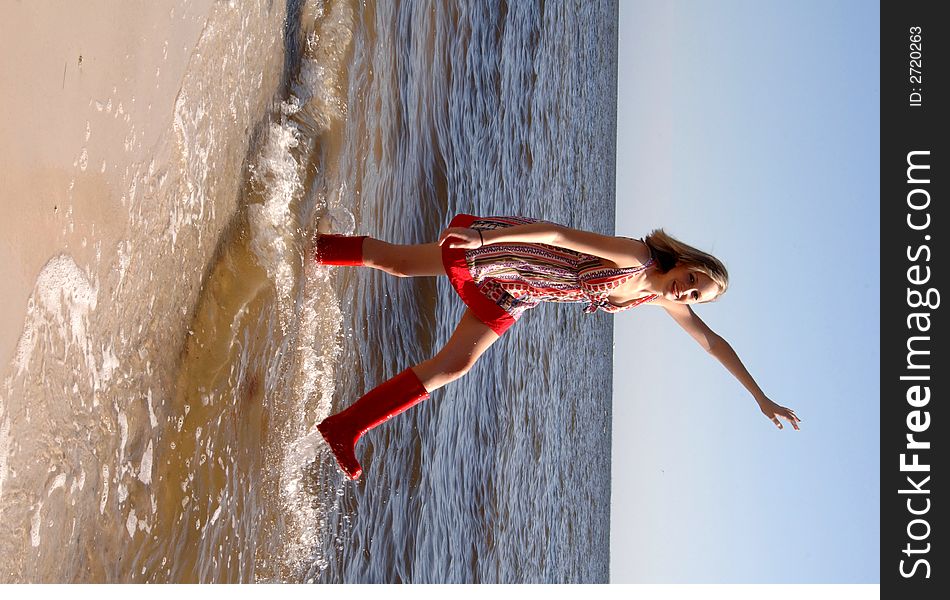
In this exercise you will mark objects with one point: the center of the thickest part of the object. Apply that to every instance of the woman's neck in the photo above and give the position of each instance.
(646, 282)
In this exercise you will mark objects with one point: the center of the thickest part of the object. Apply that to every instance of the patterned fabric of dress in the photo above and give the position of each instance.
(520, 276)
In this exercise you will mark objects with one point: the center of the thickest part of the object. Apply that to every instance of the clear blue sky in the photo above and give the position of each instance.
(751, 129)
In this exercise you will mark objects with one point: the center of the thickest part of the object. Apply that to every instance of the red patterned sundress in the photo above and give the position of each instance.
(499, 282)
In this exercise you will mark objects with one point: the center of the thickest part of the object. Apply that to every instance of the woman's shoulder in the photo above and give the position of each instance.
(637, 254)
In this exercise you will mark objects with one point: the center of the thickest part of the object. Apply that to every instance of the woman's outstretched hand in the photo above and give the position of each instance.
(773, 411)
(460, 237)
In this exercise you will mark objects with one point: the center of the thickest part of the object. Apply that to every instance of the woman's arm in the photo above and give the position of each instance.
(624, 252)
(720, 348)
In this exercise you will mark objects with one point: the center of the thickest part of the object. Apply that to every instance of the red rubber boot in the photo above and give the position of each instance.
(342, 430)
(339, 250)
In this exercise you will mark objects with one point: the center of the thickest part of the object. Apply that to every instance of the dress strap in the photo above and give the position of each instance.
(649, 263)
(607, 306)
(600, 301)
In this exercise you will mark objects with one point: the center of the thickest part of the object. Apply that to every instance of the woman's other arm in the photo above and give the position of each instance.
(720, 348)
(624, 252)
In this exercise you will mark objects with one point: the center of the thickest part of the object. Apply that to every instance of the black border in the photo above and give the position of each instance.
(906, 128)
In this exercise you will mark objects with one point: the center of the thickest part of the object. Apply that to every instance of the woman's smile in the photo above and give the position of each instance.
(688, 287)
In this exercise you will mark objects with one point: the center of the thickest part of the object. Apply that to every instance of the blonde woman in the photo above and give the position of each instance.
(503, 266)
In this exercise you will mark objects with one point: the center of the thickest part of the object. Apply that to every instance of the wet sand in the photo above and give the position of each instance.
(125, 129)
(86, 91)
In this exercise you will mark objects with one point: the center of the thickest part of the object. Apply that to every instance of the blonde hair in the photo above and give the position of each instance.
(670, 252)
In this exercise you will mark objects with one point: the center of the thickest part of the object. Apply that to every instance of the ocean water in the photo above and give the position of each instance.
(158, 419)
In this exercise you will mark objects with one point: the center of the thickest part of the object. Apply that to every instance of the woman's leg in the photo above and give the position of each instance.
(410, 260)
(469, 341)
(341, 431)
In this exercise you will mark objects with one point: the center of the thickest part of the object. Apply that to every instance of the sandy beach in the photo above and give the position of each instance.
(125, 129)
(86, 91)
(169, 345)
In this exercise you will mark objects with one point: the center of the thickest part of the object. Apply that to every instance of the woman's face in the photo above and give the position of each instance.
(685, 286)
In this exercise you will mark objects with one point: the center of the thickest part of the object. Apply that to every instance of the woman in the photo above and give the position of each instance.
(502, 266)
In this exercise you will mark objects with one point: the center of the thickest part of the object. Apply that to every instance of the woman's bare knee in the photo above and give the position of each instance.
(403, 260)
(380, 255)
(468, 343)
(436, 372)
(456, 369)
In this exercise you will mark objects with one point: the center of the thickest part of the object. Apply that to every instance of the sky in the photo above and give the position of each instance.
(751, 130)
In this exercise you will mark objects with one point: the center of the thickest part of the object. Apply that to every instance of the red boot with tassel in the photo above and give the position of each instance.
(339, 250)
(342, 430)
